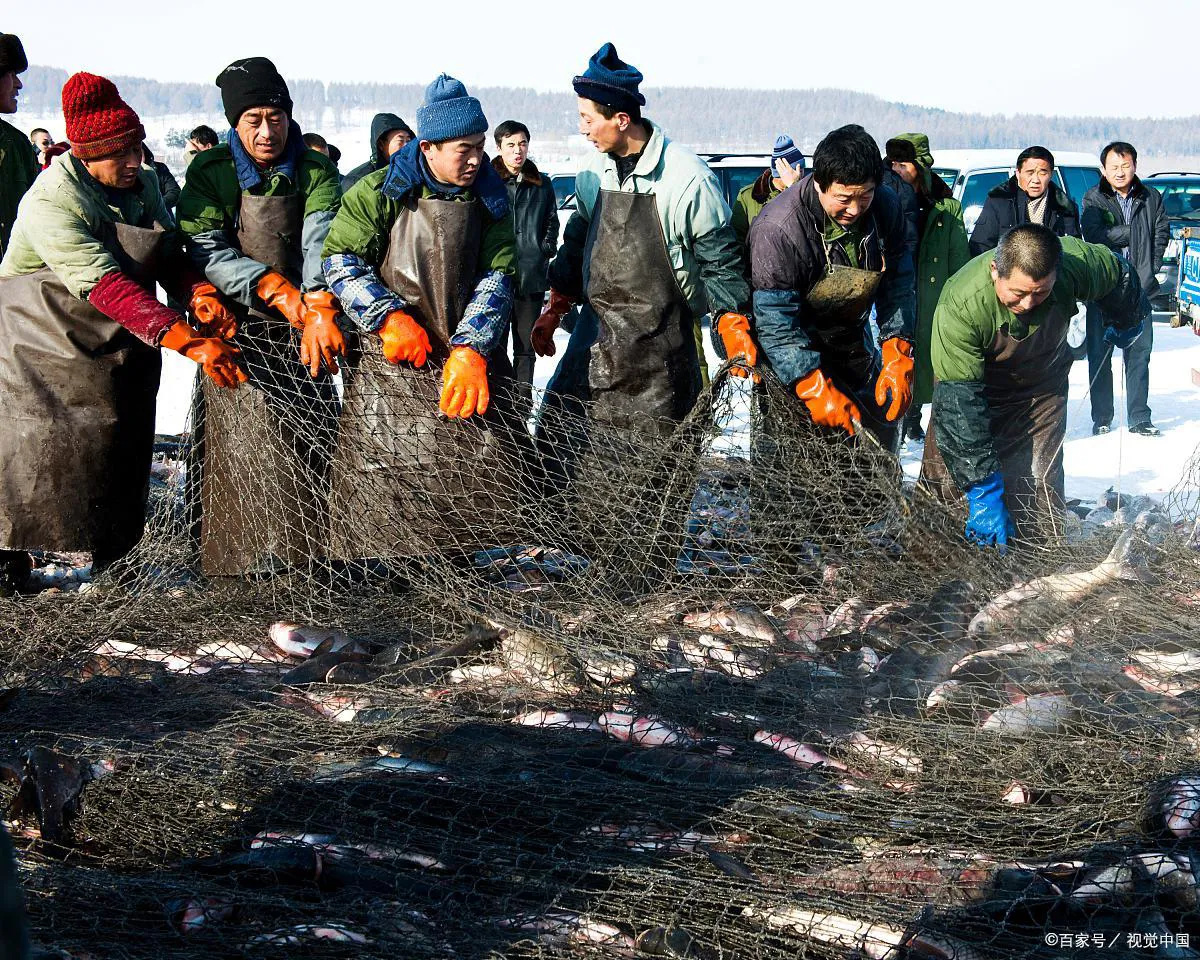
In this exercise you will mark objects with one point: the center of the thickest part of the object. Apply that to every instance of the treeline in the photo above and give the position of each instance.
(709, 117)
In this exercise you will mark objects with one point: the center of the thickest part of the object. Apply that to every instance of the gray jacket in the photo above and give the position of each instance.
(535, 222)
(1146, 235)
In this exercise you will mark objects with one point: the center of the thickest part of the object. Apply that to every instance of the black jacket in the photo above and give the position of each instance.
(1006, 208)
(381, 124)
(1146, 235)
(535, 223)
(910, 206)
(168, 186)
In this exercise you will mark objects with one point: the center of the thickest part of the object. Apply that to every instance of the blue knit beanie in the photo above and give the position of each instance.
(785, 149)
(448, 113)
(610, 80)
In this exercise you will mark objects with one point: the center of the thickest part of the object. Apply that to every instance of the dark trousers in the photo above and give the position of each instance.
(525, 313)
(1137, 372)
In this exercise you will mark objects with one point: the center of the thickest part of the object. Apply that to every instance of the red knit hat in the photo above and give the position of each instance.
(99, 122)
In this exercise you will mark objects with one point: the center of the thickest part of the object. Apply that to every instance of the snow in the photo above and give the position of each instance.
(1126, 462)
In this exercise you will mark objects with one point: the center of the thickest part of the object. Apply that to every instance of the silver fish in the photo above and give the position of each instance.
(303, 641)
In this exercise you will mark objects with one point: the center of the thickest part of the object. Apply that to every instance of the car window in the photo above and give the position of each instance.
(1181, 198)
(1080, 180)
(948, 175)
(736, 178)
(564, 187)
(978, 184)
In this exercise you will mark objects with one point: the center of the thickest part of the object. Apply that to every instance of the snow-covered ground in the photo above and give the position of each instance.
(1128, 463)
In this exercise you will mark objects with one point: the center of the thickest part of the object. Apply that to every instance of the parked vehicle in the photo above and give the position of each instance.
(1187, 280)
(1181, 203)
(736, 170)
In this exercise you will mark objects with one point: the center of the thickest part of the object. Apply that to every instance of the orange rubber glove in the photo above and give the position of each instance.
(464, 384)
(827, 404)
(276, 290)
(896, 377)
(542, 335)
(322, 342)
(734, 331)
(404, 340)
(210, 313)
(217, 358)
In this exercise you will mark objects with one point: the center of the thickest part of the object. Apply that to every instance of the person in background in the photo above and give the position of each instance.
(42, 141)
(941, 251)
(200, 139)
(535, 223)
(1128, 218)
(388, 135)
(335, 155)
(18, 160)
(314, 141)
(167, 184)
(1028, 196)
(787, 167)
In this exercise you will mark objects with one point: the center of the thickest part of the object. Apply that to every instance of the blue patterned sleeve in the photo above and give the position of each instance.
(484, 326)
(365, 298)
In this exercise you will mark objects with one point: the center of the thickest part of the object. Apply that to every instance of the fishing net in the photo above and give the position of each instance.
(732, 689)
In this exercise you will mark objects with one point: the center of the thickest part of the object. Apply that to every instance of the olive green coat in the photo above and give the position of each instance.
(942, 252)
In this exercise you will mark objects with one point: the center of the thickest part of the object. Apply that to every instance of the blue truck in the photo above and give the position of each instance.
(1187, 284)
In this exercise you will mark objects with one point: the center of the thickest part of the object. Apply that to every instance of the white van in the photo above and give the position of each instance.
(972, 173)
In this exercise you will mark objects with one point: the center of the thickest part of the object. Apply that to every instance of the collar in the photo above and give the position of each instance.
(651, 154)
(113, 196)
(1134, 191)
(528, 173)
(407, 171)
(763, 188)
(250, 174)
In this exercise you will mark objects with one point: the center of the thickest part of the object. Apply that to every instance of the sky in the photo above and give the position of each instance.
(1067, 57)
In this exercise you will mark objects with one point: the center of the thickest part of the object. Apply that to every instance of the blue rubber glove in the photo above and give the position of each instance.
(1122, 337)
(988, 522)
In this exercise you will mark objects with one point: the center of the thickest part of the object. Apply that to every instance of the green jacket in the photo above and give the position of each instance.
(18, 169)
(941, 253)
(749, 203)
(208, 211)
(62, 223)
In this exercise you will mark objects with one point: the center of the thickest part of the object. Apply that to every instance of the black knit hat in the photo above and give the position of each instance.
(12, 54)
(253, 82)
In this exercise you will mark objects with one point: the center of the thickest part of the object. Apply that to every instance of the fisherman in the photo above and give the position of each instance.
(941, 252)
(388, 135)
(651, 250)
(1000, 363)
(822, 254)
(18, 159)
(787, 167)
(256, 211)
(423, 257)
(79, 331)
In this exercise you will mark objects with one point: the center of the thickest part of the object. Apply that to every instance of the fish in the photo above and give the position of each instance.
(558, 720)
(1168, 657)
(316, 669)
(1117, 882)
(745, 620)
(433, 666)
(1179, 806)
(947, 878)
(51, 790)
(878, 941)
(174, 662)
(604, 667)
(645, 731)
(386, 764)
(846, 617)
(1174, 876)
(295, 936)
(880, 751)
(566, 925)
(1042, 712)
(238, 652)
(541, 662)
(802, 753)
(190, 916)
(1016, 607)
(303, 641)
(671, 942)
(707, 651)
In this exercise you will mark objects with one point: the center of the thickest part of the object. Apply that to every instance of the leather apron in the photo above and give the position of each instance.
(407, 481)
(1025, 382)
(266, 444)
(77, 391)
(644, 372)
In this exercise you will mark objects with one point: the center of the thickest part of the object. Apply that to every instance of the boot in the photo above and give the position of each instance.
(912, 424)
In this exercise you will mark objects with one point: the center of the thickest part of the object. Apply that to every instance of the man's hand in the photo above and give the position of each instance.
(895, 378)
(210, 313)
(827, 404)
(275, 290)
(734, 331)
(322, 342)
(988, 520)
(404, 340)
(218, 359)
(542, 335)
(785, 173)
(464, 384)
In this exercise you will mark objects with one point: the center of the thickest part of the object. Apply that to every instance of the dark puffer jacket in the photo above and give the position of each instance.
(1142, 241)
(1006, 207)
(383, 123)
(535, 222)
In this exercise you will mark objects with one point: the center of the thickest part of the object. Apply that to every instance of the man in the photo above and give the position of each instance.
(168, 186)
(535, 223)
(255, 212)
(423, 258)
(1000, 359)
(18, 161)
(314, 141)
(651, 248)
(787, 166)
(42, 141)
(941, 251)
(822, 254)
(1029, 196)
(389, 134)
(79, 332)
(1121, 213)
(200, 139)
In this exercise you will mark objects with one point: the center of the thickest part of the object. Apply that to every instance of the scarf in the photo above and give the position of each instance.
(408, 171)
(1036, 209)
(250, 174)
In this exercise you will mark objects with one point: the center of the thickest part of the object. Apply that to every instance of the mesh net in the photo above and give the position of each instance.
(726, 690)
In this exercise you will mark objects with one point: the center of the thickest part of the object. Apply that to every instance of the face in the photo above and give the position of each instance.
(263, 132)
(1119, 171)
(455, 162)
(1020, 293)
(906, 171)
(514, 150)
(395, 140)
(1034, 177)
(119, 170)
(607, 136)
(845, 204)
(10, 87)
(43, 142)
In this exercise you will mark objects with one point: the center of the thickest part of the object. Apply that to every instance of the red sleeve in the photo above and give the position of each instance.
(122, 299)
